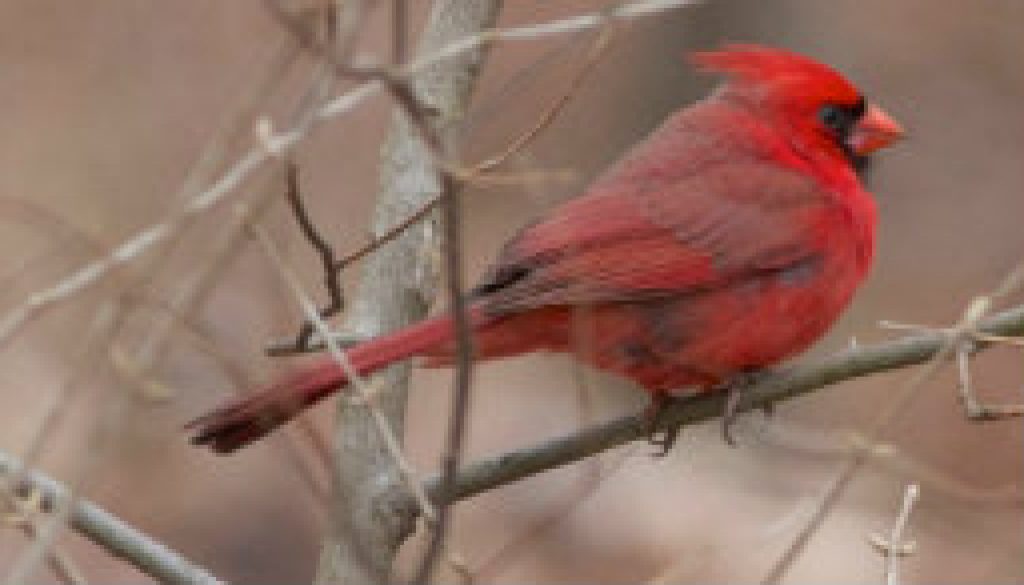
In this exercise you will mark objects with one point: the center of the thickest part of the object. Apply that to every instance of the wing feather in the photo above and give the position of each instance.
(619, 244)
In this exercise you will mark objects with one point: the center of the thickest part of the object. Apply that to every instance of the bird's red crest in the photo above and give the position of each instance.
(769, 67)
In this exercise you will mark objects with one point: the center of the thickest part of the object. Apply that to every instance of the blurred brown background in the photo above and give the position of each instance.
(106, 106)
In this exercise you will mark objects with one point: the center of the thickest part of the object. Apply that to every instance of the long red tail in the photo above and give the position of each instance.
(239, 423)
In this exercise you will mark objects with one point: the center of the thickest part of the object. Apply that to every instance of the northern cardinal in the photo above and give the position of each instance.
(729, 239)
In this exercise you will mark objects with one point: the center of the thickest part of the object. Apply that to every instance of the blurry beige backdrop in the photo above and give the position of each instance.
(104, 107)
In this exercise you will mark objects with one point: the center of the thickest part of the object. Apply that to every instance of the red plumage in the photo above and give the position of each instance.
(729, 239)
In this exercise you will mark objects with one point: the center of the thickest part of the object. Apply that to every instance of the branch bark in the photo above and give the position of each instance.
(368, 522)
(786, 384)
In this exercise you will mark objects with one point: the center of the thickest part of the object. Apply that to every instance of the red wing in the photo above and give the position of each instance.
(718, 226)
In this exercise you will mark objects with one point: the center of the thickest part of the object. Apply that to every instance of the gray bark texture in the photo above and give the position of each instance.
(369, 519)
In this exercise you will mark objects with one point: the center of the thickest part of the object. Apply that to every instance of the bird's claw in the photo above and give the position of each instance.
(665, 438)
(732, 404)
(665, 442)
(737, 390)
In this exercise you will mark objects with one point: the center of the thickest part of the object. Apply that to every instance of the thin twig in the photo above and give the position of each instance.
(193, 289)
(332, 280)
(459, 416)
(974, 408)
(837, 444)
(471, 174)
(118, 538)
(950, 347)
(399, 32)
(21, 512)
(391, 234)
(206, 343)
(894, 547)
(417, 113)
(356, 381)
(276, 145)
(597, 50)
(108, 322)
(105, 324)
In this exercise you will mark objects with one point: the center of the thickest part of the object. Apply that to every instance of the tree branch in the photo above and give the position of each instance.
(101, 527)
(785, 384)
(399, 283)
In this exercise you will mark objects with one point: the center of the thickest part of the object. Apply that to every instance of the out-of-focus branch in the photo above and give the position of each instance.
(965, 332)
(276, 144)
(118, 538)
(488, 474)
(894, 547)
(473, 173)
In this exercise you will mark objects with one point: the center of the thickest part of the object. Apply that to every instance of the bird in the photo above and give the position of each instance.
(727, 240)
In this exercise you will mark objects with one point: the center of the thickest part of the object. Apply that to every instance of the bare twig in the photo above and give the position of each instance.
(419, 114)
(974, 409)
(416, 112)
(277, 144)
(21, 512)
(203, 340)
(472, 174)
(836, 444)
(593, 57)
(968, 338)
(105, 323)
(399, 32)
(332, 281)
(356, 381)
(951, 345)
(195, 288)
(894, 547)
(463, 363)
(389, 235)
(117, 537)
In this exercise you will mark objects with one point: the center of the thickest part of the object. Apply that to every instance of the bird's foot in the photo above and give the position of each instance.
(662, 438)
(737, 388)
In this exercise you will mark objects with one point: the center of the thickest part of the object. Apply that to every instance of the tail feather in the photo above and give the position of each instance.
(248, 419)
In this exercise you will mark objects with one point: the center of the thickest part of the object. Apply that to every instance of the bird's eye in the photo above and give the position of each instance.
(835, 118)
(840, 119)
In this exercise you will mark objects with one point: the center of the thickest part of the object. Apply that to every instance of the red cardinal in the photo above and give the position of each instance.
(729, 239)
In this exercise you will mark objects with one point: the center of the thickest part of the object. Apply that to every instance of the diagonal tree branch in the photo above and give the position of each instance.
(481, 476)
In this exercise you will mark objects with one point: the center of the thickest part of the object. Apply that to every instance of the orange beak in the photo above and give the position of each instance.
(875, 130)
